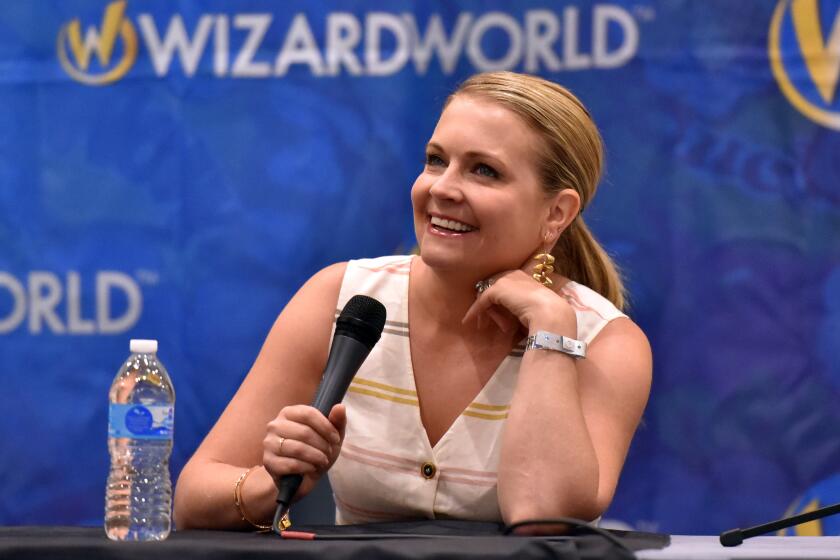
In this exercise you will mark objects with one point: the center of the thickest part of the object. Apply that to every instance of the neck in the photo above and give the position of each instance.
(442, 295)
(443, 298)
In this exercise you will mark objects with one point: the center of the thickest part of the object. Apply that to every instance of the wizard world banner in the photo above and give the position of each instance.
(176, 170)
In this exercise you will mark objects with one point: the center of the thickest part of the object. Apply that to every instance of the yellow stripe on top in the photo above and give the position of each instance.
(377, 385)
(484, 416)
(500, 411)
(481, 406)
(382, 396)
(370, 388)
(380, 391)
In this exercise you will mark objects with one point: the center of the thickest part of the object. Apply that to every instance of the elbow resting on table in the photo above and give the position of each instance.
(183, 516)
(180, 515)
(577, 501)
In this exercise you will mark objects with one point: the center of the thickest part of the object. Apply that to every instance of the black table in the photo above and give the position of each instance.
(450, 540)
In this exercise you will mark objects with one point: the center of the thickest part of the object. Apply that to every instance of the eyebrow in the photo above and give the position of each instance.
(473, 154)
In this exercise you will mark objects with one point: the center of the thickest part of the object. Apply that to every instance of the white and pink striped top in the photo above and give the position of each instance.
(387, 468)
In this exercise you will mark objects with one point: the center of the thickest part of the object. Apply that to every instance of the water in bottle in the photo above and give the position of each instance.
(138, 500)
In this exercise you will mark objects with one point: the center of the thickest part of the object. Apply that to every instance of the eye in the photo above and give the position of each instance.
(434, 160)
(486, 171)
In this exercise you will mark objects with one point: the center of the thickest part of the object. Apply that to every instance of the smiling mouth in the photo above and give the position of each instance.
(451, 226)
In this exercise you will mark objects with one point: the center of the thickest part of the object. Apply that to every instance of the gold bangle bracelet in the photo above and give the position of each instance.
(240, 506)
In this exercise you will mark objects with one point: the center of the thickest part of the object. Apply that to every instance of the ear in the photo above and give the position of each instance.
(564, 206)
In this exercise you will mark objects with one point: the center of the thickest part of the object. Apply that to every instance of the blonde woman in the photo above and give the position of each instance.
(478, 402)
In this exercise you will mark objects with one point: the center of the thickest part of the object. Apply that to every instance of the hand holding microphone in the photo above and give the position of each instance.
(357, 329)
(301, 440)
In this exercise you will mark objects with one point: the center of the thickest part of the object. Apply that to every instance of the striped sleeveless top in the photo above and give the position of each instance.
(387, 469)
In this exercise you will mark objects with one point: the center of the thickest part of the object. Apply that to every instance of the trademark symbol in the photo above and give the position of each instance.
(644, 13)
(146, 276)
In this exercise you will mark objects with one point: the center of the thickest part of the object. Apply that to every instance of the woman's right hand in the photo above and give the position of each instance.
(301, 440)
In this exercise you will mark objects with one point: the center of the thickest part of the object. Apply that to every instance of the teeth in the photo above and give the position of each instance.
(451, 224)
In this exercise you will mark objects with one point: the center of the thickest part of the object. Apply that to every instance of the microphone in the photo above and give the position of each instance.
(734, 537)
(357, 329)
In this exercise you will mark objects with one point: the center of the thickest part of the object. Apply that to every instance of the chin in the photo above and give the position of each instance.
(434, 260)
(440, 260)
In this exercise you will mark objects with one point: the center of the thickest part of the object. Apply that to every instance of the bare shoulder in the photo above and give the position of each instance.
(622, 333)
(327, 281)
(306, 321)
(621, 352)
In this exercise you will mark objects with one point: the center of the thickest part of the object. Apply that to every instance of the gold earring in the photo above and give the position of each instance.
(544, 267)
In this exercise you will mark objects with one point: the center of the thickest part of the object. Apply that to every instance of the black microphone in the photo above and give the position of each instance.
(357, 329)
(734, 537)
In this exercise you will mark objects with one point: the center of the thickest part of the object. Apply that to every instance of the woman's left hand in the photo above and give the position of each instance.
(514, 298)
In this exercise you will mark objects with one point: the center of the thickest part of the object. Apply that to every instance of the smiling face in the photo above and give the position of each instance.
(478, 202)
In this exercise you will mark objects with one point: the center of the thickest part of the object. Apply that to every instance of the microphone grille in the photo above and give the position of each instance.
(363, 318)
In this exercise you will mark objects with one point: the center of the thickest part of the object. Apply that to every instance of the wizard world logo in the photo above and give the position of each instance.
(804, 52)
(114, 43)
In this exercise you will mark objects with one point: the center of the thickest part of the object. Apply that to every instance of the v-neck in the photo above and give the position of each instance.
(447, 434)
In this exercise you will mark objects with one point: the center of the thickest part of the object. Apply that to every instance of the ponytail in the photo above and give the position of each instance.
(580, 257)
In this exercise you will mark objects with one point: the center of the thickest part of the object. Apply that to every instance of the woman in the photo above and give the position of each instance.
(451, 416)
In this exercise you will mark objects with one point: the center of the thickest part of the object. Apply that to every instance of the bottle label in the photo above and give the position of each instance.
(141, 422)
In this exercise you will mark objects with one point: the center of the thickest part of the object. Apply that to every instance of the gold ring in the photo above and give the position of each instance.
(280, 447)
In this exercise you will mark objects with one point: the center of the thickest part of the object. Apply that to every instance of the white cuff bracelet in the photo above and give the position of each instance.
(543, 340)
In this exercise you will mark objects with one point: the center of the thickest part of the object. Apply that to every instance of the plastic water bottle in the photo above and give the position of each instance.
(138, 496)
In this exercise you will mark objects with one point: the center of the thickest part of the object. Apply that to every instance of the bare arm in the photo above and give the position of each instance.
(286, 373)
(570, 425)
(571, 421)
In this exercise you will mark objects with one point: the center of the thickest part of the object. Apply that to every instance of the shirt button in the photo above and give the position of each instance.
(428, 470)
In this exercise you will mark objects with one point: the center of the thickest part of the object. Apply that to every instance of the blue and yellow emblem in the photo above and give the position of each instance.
(822, 494)
(75, 49)
(804, 51)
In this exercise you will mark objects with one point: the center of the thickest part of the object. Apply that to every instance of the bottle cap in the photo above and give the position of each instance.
(142, 346)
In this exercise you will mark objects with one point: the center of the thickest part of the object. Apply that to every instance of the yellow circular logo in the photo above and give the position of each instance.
(102, 42)
(804, 60)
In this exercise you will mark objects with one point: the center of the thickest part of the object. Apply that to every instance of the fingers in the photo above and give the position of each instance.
(471, 314)
(301, 440)
(313, 419)
(281, 465)
(483, 300)
(505, 322)
(484, 306)
(338, 418)
(506, 300)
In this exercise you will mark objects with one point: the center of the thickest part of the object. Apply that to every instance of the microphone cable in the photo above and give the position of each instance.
(574, 523)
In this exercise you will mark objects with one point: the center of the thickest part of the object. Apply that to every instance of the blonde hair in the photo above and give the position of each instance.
(572, 158)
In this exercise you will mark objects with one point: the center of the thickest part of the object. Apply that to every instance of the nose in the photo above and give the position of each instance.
(447, 186)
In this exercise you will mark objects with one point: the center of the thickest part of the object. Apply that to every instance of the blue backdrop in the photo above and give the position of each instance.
(175, 170)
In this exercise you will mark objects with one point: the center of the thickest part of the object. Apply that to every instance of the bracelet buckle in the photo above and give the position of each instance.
(544, 340)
